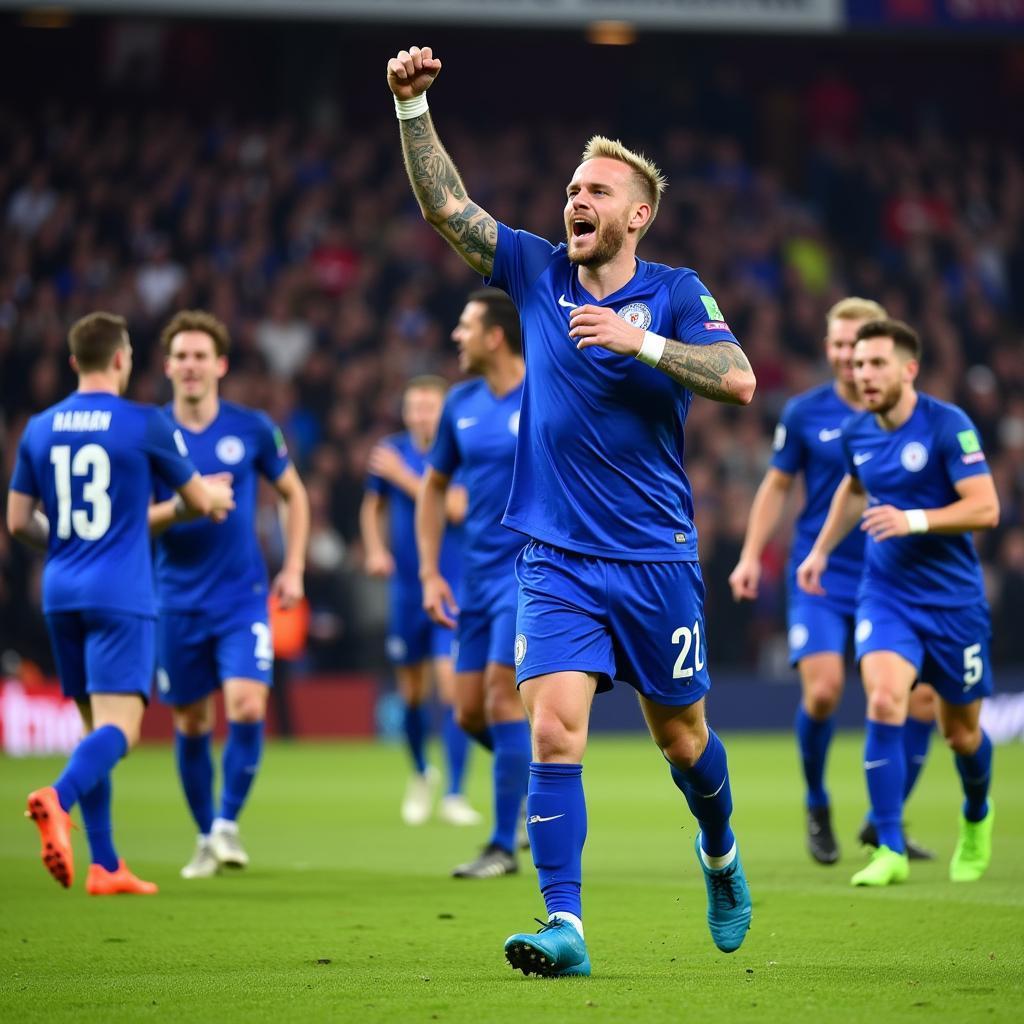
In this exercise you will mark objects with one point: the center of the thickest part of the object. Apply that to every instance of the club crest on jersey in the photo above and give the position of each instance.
(637, 314)
(230, 450)
(520, 651)
(513, 423)
(914, 457)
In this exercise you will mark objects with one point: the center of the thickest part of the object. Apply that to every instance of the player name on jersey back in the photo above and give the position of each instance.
(82, 420)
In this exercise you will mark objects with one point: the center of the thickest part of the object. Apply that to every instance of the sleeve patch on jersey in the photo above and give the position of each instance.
(969, 460)
(714, 313)
(282, 448)
(779, 441)
(715, 325)
(179, 443)
(969, 443)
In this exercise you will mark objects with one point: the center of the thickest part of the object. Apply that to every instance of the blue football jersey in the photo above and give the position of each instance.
(402, 522)
(92, 461)
(808, 441)
(477, 437)
(600, 470)
(203, 564)
(917, 466)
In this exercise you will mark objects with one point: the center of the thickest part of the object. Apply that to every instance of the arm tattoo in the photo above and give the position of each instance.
(442, 196)
(705, 369)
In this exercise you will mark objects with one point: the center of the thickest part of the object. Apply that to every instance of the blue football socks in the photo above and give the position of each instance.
(242, 754)
(456, 749)
(92, 760)
(511, 770)
(707, 792)
(195, 768)
(95, 807)
(414, 725)
(917, 736)
(885, 768)
(814, 737)
(557, 822)
(975, 776)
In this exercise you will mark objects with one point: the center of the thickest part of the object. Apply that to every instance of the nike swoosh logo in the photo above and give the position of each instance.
(861, 457)
(830, 435)
(534, 819)
(466, 421)
(876, 764)
(563, 302)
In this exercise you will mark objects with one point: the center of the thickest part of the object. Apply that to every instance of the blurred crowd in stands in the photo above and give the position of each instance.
(302, 235)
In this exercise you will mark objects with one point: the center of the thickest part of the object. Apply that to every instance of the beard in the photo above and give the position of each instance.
(610, 240)
(887, 400)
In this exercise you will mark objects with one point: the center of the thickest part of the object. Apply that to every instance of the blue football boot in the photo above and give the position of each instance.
(729, 907)
(556, 951)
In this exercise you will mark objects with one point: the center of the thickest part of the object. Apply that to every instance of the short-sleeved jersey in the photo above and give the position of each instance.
(477, 437)
(204, 564)
(402, 522)
(917, 466)
(92, 461)
(808, 440)
(600, 470)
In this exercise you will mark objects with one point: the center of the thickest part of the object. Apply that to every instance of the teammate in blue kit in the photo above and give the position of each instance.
(917, 481)
(807, 441)
(609, 584)
(415, 644)
(91, 461)
(477, 438)
(212, 586)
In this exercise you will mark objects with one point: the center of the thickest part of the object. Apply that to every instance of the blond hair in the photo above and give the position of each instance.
(649, 177)
(855, 308)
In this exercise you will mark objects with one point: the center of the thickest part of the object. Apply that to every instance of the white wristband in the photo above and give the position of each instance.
(408, 109)
(652, 348)
(917, 520)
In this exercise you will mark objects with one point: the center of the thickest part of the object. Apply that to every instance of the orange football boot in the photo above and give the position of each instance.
(55, 826)
(101, 882)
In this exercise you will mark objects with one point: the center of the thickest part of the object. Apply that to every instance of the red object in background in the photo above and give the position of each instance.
(40, 720)
(322, 707)
(289, 628)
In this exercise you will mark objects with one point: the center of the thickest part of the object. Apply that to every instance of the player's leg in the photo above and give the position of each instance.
(558, 707)
(245, 708)
(699, 768)
(454, 807)
(413, 689)
(186, 680)
(972, 748)
(888, 677)
(563, 654)
(821, 683)
(122, 712)
(917, 736)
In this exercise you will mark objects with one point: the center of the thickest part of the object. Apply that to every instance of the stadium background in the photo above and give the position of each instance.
(252, 167)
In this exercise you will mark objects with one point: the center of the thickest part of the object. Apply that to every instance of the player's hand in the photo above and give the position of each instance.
(883, 521)
(288, 589)
(412, 72)
(385, 462)
(222, 495)
(599, 325)
(810, 572)
(745, 578)
(379, 564)
(439, 601)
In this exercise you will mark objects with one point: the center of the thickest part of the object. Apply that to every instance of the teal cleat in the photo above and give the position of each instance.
(556, 951)
(729, 907)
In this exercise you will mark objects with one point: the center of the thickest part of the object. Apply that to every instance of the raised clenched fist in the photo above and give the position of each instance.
(412, 72)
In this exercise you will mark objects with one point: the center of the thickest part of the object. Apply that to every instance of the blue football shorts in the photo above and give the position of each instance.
(486, 635)
(639, 622)
(197, 651)
(412, 635)
(103, 652)
(818, 625)
(949, 647)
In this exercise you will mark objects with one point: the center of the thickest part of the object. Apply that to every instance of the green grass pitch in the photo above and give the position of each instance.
(347, 915)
